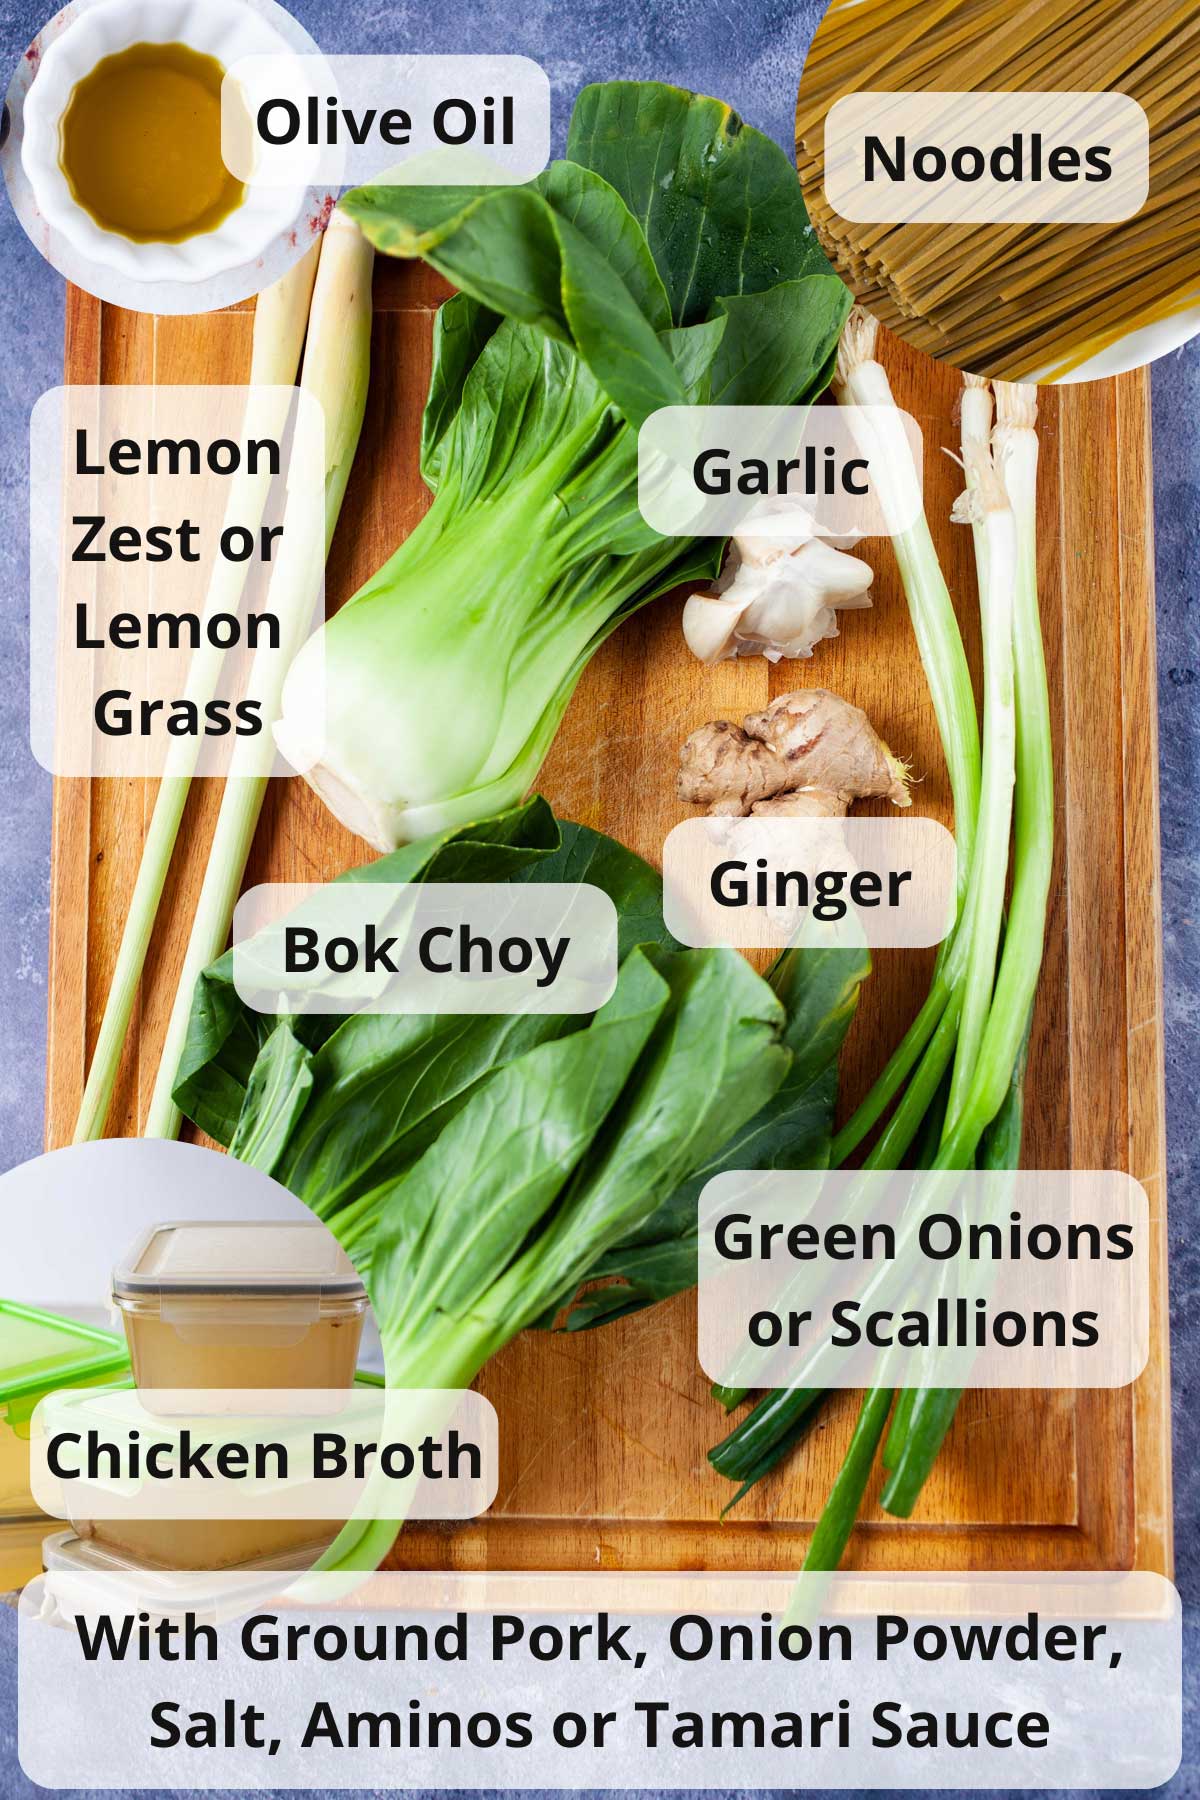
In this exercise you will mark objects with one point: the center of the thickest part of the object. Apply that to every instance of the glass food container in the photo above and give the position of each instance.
(76, 1586)
(251, 1304)
(209, 1543)
(202, 1544)
(206, 1544)
(40, 1353)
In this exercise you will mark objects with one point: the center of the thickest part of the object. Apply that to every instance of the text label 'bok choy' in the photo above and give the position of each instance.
(667, 261)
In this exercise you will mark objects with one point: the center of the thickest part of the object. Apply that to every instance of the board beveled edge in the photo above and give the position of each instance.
(1146, 1058)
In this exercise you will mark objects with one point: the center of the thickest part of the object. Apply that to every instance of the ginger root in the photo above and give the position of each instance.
(808, 755)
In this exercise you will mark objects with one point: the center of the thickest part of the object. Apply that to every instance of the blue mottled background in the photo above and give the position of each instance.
(750, 52)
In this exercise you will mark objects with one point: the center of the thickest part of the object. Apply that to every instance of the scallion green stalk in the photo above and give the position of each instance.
(992, 1104)
(924, 1413)
(1015, 451)
(986, 1121)
(988, 507)
(862, 382)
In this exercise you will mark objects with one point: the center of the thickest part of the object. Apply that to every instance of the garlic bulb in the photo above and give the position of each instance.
(780, 591)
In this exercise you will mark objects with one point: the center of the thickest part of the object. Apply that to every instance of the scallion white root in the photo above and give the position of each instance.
(280, 321)
(861, 381)
(1015, 450)
(336, 371)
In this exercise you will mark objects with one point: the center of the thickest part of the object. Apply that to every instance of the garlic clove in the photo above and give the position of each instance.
(797, 600)
(775, 528)
(777, 596)
(710, 624)
(844, 580)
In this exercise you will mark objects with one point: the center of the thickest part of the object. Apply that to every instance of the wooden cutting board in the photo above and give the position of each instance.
(604, 1434)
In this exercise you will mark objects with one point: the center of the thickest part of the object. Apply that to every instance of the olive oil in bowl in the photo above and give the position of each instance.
(140, 144)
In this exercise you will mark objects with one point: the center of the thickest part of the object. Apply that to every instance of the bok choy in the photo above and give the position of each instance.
(666, 261)
(493, 1172)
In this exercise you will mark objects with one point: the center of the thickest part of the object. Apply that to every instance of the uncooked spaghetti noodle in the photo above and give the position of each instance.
(1020, 300)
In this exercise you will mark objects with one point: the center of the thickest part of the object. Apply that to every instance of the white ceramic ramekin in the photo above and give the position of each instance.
(226, 29)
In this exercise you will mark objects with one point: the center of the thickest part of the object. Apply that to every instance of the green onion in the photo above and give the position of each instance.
(861, 381)
(964, 1057)
(992, 520)
(837, 1520)
(991, 1109)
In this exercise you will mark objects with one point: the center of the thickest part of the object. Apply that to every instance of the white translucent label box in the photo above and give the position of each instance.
(444, 1681)
(425, 947)
(849, 1278)
(160, 1454)
(835, 883)
(176, 566)
(417, 121)
(780, 472)
(1053, 158)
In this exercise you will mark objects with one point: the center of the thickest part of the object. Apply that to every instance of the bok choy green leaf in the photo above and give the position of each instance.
(395, 1129)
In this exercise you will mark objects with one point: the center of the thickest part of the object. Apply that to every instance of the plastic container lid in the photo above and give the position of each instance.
(64, 1552)
(215, 1595)
(265, 1258)
(40, 1352)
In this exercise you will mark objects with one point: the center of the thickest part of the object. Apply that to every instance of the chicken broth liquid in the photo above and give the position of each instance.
(246, 1349)
(208, 1543)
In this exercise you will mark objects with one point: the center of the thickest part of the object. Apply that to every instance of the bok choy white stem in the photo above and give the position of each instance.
(586, 301)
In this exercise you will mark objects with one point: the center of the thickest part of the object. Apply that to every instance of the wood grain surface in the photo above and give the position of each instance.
(603, 1435)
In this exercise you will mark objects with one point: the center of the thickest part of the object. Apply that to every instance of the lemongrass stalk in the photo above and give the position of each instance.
(280, 319)
(986, 504)
(335, 373)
